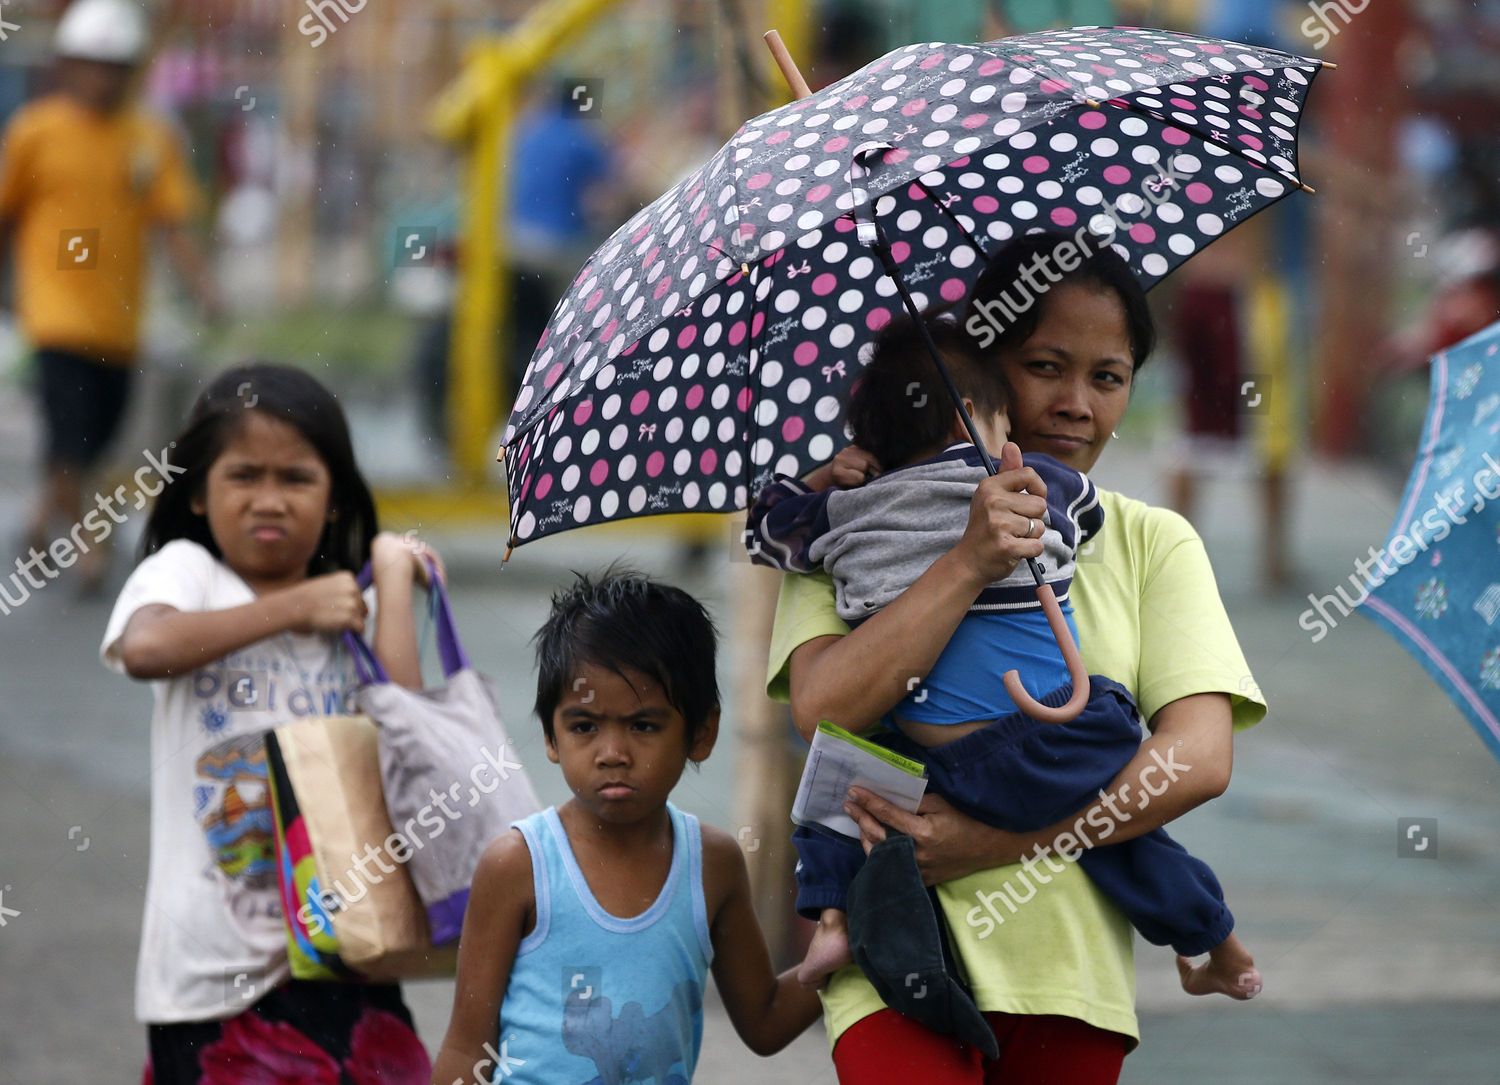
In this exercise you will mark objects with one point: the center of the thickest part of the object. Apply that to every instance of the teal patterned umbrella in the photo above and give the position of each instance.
(1436, 587)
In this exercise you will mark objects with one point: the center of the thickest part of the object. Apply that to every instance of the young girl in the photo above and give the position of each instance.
(235, 615)
(592, 925)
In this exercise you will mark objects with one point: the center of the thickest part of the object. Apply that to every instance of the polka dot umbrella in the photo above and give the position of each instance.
(711, 342)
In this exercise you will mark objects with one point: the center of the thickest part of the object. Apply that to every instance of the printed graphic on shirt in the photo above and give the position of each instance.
(633, 1046)
(232, 802)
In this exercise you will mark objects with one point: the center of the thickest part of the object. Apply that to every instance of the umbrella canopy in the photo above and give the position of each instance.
(712, 341)
(1436, 585)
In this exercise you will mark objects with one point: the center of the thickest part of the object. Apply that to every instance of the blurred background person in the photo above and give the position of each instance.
(84, 176)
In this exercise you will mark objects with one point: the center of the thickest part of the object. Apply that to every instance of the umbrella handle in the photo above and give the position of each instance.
(1076, 670)
(787, 65)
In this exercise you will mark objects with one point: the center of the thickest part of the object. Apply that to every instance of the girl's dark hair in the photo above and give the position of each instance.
(1003, 311)
(900, 410)
(627, 620)
(293, 397)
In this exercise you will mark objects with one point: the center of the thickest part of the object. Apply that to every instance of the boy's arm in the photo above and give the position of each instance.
(493, 927)
(784, 522)
(161, 641)
(768, 1011)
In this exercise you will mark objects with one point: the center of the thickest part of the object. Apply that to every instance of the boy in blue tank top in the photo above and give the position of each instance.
(982, 754)
(591, 926)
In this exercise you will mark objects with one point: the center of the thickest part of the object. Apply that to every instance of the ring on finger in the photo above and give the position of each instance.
(1030, 525)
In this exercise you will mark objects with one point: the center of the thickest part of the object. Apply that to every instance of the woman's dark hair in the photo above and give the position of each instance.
(900, 410)
(1003, 310)
(293, 397)
(625, 620)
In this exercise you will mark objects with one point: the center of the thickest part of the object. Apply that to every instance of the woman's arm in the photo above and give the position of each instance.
(768, 1011)
(853, 680)
(161, 641)
(494, 921)
(1183, 764)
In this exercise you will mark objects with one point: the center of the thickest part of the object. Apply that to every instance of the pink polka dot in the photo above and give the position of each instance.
(990, 67)
(1257, 82)
(662, 286)
(1199, 192)
(641, 234)
(1116, 175)
(525, 491)
(877, 318)
(742, 401)
(687, 336)
(582, 412)
(1251, 112)
(599, 472)
(759, 180)
(976, 120)
(708, 461)
(1252, 142)
(901, 251)
(779, 137)
(900, 154)
(1143, 233)
(792, 428)
(837, 143)
(843, 224)
(654, 463)
(1183, 103)
(737, 333)
(1064, 216)
(694, 397)
(544, 487)
(825, 283)
(1035, 164)
(757, 322)
(1051, 86)
(1175, 136)
(609, 330)
(952, 289)
(857, 102)
(628, 351)
(916, 192)
(1094, 118)
(929, 62)
(913, 107)
(986, 205)
(805, 354)
(818, 193)
(552, 374)
(640, 401)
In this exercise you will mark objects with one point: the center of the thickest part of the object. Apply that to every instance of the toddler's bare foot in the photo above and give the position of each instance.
(1229, 970)
(828, 951)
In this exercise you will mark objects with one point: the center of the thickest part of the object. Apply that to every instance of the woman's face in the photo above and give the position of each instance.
(1070, 382)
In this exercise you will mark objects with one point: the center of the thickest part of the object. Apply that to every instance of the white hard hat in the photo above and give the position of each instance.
(113, 31)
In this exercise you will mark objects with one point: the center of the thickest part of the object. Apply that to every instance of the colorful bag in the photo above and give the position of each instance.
(345, 919)
(449, 742)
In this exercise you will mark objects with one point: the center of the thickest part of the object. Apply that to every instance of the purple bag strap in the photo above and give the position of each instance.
(450, 650)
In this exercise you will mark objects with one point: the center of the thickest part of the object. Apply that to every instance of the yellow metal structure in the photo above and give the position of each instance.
(478, 111)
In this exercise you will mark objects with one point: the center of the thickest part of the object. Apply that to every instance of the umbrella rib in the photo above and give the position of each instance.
(973, 241)
(1208, 139)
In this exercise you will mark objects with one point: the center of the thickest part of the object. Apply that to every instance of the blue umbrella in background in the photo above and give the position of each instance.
(1439, 590)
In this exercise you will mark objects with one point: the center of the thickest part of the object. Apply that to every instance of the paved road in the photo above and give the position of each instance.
(1379, 968)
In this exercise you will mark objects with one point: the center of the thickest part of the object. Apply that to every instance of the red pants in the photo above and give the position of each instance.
(889, 1049)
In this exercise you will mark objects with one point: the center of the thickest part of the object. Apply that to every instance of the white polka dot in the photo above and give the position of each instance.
(820, 448)
(590, 442)
(637, 500)
(1013, 102)
(760, 452)
(716, 494)
(682, 462)
(562, 449)
(701, 427)
(1155, 264)
(1269, 187)
(826, 409)
(625, 469)
(1210, 225)
(570, 477)
(1181, 244)
(527, 526)
(799, 390)
(1134, 127)
(581, 509)
(673, 432)
(609, 504)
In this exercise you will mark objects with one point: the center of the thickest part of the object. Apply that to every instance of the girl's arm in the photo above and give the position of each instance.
(1183, 764)
(396, 562)
(494, 924)
(768, 1011)
(855, 679)
(162, 642)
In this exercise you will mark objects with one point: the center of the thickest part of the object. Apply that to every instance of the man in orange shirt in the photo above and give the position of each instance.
(84, 177)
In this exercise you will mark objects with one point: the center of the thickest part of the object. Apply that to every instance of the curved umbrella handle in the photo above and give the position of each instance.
(1076, 670)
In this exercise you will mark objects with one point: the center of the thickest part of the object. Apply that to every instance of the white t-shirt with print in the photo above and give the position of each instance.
(213, 941)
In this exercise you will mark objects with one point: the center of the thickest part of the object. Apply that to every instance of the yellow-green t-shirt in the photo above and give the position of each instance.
(1149, 616)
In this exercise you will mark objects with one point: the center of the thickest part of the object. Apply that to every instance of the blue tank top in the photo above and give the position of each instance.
(966, 682)
(595, 998)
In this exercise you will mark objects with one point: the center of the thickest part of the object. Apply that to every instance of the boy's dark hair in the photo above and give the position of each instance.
(622, 620)
(900, 410)
(1002, 281)
(293, 397)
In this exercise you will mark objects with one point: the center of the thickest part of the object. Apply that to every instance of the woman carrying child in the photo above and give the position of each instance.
(1054, 978)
